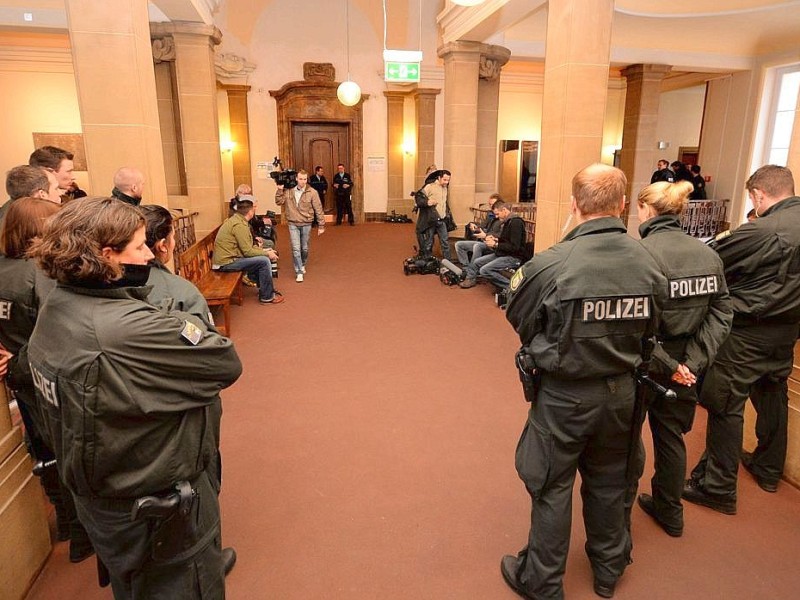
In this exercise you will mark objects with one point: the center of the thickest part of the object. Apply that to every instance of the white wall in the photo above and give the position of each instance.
(680, 117)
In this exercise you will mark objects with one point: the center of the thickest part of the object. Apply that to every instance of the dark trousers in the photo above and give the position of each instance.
(576, 425)
(344, 205)
(749, 355)
(770, 396)
(426, 239)
(669, 421)
(128, 549)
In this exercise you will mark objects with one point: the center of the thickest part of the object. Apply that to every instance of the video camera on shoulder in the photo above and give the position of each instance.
(285, 177)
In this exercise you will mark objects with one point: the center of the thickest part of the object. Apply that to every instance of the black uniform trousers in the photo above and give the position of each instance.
(576, 425)
(344, 206)
(669, 421)
(751, 354)
(769, 396)
(130, 549)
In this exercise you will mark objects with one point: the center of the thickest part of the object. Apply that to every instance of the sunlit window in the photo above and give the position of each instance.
(785, 105)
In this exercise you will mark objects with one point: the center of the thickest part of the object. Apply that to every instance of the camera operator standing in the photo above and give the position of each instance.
(301, 206)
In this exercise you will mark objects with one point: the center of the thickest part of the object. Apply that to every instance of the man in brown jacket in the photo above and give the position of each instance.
(300, 205)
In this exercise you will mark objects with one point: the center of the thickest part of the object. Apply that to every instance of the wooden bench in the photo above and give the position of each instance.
(217, 287)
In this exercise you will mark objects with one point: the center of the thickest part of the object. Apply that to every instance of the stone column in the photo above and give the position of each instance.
(113, 66)
(577, 52)
(492, 60)
(394, 123)
(195, 82)
(461, 72)
(425, 105)
(640, 153)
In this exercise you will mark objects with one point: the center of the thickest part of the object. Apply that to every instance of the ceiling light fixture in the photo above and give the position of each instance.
(348, 91)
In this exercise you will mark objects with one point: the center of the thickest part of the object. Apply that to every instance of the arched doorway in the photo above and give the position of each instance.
(314, 128)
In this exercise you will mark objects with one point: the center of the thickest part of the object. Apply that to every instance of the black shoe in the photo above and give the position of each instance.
(767, 486)
(80, 546)
(648, 506)
(509, 565)
(228, 559)
(604, 590)
(352, 223)
(694, 493)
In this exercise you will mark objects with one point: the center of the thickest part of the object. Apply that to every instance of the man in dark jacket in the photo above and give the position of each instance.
(319, 183)
(343, 184)
(128, 185)
(508, 250)
(581, 309)
(761, 268)
(663, 173)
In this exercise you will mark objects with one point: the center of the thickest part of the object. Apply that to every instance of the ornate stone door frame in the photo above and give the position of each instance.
(314, 100)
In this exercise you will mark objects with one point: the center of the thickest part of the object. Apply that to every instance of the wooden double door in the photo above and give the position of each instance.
(323, 144)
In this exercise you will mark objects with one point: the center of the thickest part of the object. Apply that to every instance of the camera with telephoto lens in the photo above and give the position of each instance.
(285, 177)
(421, 265)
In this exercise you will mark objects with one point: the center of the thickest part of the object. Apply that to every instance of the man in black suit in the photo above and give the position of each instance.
(319, 183)
(343, 184)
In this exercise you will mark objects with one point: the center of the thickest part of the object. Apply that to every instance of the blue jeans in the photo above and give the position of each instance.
(490, 267)
(439, 229)
(258, 268)
(464, 247)
(298, 235)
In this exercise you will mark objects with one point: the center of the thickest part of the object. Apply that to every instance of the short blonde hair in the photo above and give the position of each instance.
(599, 189)
(666, 198)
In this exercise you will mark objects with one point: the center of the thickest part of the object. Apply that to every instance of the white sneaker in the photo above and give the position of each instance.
(299, 278)
(303, 269)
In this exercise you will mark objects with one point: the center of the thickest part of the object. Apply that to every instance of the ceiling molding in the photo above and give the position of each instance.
(34, 59)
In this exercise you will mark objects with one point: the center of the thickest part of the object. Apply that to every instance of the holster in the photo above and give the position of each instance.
(174, 518)
(529, 375)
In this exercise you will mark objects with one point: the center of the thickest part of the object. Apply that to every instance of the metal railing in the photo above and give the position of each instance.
(704, 218)
(185, 236)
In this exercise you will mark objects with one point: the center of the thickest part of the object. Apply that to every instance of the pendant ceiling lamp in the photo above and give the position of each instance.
(348, 92)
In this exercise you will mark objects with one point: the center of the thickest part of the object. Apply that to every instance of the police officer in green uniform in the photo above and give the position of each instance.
(130, 391)
(762, 268)
(23, 291)
(581, 310)
(695, 321)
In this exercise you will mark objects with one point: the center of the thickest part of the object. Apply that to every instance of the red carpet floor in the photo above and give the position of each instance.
(369, 453)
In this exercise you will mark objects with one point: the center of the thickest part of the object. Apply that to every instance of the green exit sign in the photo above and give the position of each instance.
(404, 72)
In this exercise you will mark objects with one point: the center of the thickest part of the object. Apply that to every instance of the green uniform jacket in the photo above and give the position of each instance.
(234, 240)
(582, 306)
(129, 389)
(185, 296)
(23, 290)
(697, 314)
(762, 265)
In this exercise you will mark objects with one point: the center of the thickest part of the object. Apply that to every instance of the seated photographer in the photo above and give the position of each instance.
(509, 250)
(235, 250)
(475, 234)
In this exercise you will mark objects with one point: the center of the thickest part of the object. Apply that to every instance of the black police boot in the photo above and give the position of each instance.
(509, 567)
(648, 506)
(764, 484)
(80, 546)
(228, 559)
(693, 492)
(604, 589)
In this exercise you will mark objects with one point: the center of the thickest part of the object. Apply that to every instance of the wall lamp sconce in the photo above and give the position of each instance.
(227, 146)
(409, 148)
(662, 145)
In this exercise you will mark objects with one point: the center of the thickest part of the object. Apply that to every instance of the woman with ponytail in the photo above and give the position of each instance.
(696, 320)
